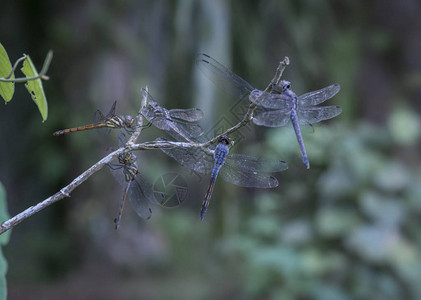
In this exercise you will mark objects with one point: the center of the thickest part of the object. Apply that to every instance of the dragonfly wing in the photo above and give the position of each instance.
(196, 159)
(116, 170)
(274, 101)
(245, 178)
(141, 196)
(312, 115)
(190, 129)
(254, 164)
(272, 118)
(191, 114)
(319, 96)
(223, 77)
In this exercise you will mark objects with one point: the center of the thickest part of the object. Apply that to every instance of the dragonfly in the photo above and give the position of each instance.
(239, 169)
(177, 122)
(111, 120)
(281, 104)
(300, 110)
(135, 187)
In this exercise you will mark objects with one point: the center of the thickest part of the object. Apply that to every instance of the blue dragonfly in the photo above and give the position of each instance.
(281, 104)
(239, 169)
(177, 122)
(299, 110)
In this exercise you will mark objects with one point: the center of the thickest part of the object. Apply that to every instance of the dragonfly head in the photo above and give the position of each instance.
(129, 121)
(285, 85)
(224, 139)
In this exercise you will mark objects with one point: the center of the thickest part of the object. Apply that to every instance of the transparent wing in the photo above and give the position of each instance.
(99, 117)
(116, 170)
(191, 114)
(273, 118)
(319, 96)
(245, 178)
(273, 101)
(190, 129)
(141, 196)
(254, 164)
(196, 159)
(312, 115)
(223, 77)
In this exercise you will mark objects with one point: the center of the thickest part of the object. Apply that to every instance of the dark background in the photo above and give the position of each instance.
(348, 228)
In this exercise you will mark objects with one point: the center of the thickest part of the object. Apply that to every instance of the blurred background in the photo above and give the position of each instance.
(348, 228)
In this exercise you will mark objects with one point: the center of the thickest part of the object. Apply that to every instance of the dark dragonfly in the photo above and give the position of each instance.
(299, 110)
(177, 122)
(280, 105)
(135, 187)
(239, 169)
(111, 120)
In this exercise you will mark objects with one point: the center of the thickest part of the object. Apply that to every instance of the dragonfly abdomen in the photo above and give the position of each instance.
(120, 210)
(296, 126)
(80, 128)
(206, 200)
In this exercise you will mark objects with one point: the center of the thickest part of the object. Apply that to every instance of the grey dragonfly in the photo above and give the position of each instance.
(177, 122)
(239, 169)
(281, 105)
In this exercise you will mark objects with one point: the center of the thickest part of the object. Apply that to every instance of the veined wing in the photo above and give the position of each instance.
(223, 77)
(272, 101)
(181, 131)
(244, 178)
(140, 196)
(319, 96)
(191, 114)
(254, 164)
(273, 118)
(99, 117)
(196, 159)
(312, 115)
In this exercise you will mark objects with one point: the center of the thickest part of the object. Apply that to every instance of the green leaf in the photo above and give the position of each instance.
(34, 87)
(7, 89)
(4, 239)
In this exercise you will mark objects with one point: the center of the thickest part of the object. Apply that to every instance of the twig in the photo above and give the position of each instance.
(40, 75)
(130, 146)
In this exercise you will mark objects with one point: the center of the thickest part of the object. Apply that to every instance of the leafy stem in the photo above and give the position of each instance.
(41, 74)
